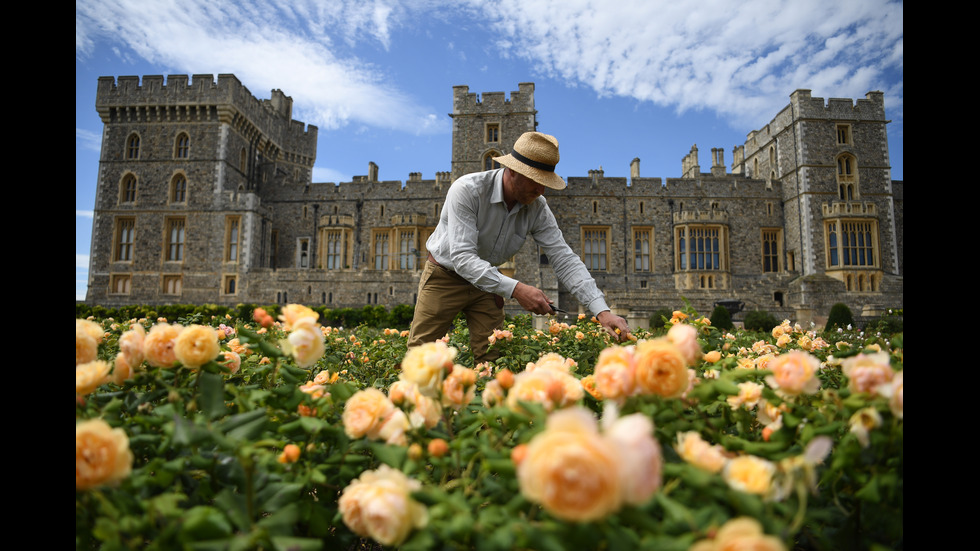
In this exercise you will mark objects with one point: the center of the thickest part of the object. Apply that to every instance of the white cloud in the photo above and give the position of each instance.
(81, 261)
(88, 140)
(329, 175)
(738, 58)
(84, 213)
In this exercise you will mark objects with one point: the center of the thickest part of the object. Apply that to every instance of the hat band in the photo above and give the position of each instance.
(535, 164)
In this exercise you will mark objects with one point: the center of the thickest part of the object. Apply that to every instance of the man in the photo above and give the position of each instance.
(486, 218)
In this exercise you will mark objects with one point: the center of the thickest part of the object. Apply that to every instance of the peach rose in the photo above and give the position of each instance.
(231, 360)
(290, 454)
(305, 342)
(740, 533)
(794, 373)
(393, 428)
(749, 474)
(694, 450)
(493, 394)
(91, 329)
(712, 356)
(660, 368)
(867, 372)
(506, 378)
(365, 411)
(549, 387)
(89, 376)
(196, 345)
(555, 362)
(422, 410)
(292, 313)
(426, 366)
(459, 388)
(589, 385)
(685, 338)
(895, 392)
(123, 370)
(615, 372)
(158, 346)
(749, 394)
(86, 347)
(639, 455)
(131, 345)
(102, 455)
(863, 422)
(571, 470)
(378, 505)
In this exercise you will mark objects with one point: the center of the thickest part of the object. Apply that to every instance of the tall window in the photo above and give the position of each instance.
(406, 246)
(852, 243)
(381, 249)
(490, 161)
(595, 247)
(847, 177)
(175, 239)
(303, 252)
(843, 134)
(178, 189)
(701, 247)
(182, 146)
(127, 189)
(493, 133)
(336, 249)
(771, 246)
(125, 228)
(642, 247)
(230, 285)
(232, 237)
(133, 147)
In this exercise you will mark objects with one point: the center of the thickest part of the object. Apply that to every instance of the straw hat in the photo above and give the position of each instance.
(535, 156)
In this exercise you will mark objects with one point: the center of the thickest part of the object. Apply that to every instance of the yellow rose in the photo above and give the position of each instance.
(291, 313)
(364, 413)
(158, 346)
(615, 372)
(102, 455)
(86, 347)
(131, 345)
(660, 368)
(749, 394)
(740, 533)
(867, 372)
(89, 376)
(305, 342)
(685, 338)
(421, 409)
(196, 345)
(493, 394)
(122, 371)
(551, 388)
(693, 449)
(555, 362)
(794, 373)
(91, 329)
(571, 470)
(426, 366)
(459, 388)
(749, 474)
(863, 422)
(712, 356)
(378, 505)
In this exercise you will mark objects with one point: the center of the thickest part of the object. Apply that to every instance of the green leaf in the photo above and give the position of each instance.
(212, 397)
(204, 523)
(275, 496)
(282, 543)
(313, 425)
(870, 491)
(393, 456)
(244, 426)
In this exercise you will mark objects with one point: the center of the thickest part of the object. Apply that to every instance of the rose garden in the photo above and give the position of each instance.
(281, 432)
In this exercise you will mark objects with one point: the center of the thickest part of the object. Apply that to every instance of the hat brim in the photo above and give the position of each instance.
(543, 177)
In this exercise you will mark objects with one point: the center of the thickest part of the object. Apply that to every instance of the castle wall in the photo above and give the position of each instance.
(257, 229)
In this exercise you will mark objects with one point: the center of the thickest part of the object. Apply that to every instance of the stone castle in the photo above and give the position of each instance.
(205, 195)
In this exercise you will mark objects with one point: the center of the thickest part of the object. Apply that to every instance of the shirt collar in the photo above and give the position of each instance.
(497, 196)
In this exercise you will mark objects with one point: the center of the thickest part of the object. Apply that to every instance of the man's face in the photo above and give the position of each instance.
(526, 190)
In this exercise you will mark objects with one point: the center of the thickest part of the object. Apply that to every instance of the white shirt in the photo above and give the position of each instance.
(477, 232)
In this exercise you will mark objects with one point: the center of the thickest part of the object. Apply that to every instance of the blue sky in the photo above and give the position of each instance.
(613, 80)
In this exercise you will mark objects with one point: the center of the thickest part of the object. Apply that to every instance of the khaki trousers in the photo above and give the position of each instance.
(442, 295)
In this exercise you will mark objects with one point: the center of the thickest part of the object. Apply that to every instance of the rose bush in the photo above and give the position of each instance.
(301, 436)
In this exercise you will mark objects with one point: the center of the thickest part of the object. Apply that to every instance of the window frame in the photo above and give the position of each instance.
(772, 237)
(175, 245)
(178, 285)
(132, 150)
(596, 261)
(839, 250)
(128, 187)
(124, 280)
(685, 253)
(637, 236)
(125, 228)
(182, 146)
(381, 261)
(233, 238)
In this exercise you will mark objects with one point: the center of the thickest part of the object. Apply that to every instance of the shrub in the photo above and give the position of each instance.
(720, 318)
(760, 320)
(889, 324)
(657, 320)
(840, 316)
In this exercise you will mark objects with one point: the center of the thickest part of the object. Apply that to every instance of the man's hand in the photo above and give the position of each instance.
(614, 325)
(532, 299)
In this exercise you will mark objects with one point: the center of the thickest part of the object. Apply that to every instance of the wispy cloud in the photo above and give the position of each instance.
(81, 261)
(736, 58)
(84, 213)
(88, 140)
(295, 46)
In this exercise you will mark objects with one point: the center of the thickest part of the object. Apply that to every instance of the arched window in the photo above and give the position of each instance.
(178, 189)
(847, 177)
(182, 146)
(133, 146)
(489, 160)
(127, 189)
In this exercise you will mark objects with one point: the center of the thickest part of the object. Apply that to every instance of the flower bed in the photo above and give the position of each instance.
(285, 434)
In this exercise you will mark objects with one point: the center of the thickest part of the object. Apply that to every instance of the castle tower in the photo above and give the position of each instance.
(184, 168)
(838, 201)
(488, 127)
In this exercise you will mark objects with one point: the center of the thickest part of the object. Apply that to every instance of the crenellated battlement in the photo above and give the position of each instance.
(469, 103)
(201, 98)
(871, 108)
